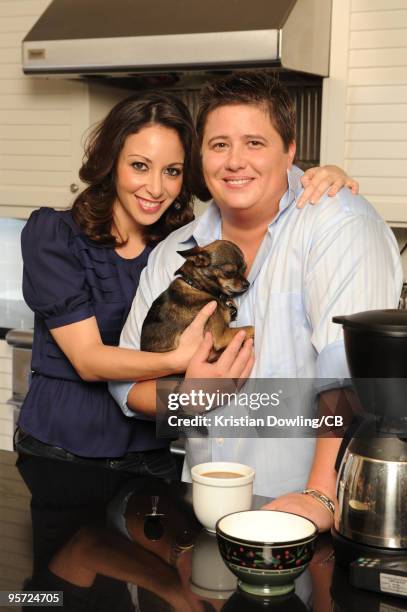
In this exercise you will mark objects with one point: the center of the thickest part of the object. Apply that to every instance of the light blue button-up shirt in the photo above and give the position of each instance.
(336, 258)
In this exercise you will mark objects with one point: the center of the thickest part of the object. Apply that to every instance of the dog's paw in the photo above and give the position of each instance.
(249, 329)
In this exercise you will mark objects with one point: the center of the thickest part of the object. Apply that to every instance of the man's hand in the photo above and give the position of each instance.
(305, 505)
(226, 375)
(317, 181)
(235, 362)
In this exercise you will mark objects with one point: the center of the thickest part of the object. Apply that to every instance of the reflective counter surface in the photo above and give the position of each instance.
(149, 554)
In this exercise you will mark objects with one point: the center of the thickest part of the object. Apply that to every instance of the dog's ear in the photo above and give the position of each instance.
(198, 255)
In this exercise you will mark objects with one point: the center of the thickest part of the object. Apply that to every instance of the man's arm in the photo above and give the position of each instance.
(322, 476)
(353, 265)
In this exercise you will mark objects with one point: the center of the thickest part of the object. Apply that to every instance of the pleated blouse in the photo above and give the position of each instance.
(68, 278)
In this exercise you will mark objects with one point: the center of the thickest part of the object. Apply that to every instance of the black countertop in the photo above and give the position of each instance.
(173, 562)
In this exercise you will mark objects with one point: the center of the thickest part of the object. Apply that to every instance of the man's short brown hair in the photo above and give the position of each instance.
(257, 88)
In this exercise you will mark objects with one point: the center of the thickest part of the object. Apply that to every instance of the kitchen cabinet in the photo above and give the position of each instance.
(6, 410)
(42, 122)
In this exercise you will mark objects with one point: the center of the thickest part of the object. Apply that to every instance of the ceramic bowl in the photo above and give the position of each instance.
(266, 549)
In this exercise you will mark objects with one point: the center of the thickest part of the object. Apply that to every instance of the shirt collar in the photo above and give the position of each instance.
(207, 228)
(294, 189)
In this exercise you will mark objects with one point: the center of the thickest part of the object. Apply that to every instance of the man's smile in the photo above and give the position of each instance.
(236, 182)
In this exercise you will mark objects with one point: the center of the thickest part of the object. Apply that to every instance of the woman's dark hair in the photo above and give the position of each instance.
(93, 207)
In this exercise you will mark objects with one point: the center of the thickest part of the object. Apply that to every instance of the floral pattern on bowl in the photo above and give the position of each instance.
(266, 557)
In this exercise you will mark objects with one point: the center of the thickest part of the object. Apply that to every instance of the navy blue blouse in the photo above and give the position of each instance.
(68, 278)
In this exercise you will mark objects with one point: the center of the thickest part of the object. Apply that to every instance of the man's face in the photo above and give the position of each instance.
(244, 161)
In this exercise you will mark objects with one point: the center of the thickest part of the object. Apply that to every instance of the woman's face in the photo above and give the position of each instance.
(149, 176)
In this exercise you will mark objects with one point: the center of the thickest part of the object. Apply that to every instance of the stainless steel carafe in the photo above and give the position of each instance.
(372, 493)
(372, 479)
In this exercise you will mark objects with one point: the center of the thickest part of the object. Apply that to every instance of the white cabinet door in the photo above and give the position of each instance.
(6, 410)
(42, 122)
(364, 126)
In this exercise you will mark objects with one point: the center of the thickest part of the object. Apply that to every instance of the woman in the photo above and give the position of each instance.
(81, 271)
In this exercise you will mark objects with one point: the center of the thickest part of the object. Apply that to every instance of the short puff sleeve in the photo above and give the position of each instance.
(54, 284)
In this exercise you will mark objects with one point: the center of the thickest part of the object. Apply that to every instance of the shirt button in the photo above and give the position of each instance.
(219, 441)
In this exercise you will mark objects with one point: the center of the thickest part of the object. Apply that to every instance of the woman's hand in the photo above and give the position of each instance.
(191, 339)
(305, 505)
(316, 181)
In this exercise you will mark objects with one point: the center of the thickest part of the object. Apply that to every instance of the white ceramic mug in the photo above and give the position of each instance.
(214, 497)
(210, 576)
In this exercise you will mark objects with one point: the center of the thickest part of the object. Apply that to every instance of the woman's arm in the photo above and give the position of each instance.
(95, 361)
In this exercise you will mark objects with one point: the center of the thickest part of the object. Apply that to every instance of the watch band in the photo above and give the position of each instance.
(322, 498)
(184, 541)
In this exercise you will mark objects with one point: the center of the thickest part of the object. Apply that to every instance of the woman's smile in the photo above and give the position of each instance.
(149, 206)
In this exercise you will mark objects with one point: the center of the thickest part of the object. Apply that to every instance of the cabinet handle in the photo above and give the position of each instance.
(74, 187)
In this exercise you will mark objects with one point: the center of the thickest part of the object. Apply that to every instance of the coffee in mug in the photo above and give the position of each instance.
(222, 475)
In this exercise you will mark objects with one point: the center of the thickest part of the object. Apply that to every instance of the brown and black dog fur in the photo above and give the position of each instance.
(215, 272)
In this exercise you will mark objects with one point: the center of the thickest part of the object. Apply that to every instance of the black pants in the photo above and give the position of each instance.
(64, 497)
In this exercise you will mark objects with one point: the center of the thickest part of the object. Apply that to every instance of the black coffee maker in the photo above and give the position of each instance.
(372, 479)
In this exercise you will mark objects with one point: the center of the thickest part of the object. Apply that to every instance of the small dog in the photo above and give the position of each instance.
(214, 272)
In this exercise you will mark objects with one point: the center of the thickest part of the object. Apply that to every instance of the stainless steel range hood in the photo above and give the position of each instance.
(79, 38)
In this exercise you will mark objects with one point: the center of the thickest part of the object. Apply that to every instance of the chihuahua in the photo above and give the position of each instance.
(215, 272)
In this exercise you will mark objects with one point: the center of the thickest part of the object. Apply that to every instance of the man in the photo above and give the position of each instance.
(304, 266)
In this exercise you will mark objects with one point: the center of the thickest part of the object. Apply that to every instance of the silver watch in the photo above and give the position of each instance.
(322, 498)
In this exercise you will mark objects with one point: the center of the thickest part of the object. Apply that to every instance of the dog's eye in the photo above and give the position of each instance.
(229, 272)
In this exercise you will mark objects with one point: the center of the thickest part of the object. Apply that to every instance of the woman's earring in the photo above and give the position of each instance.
(177, 205)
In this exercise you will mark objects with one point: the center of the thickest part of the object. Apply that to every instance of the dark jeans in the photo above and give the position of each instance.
(64, 497)
(68, 493)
